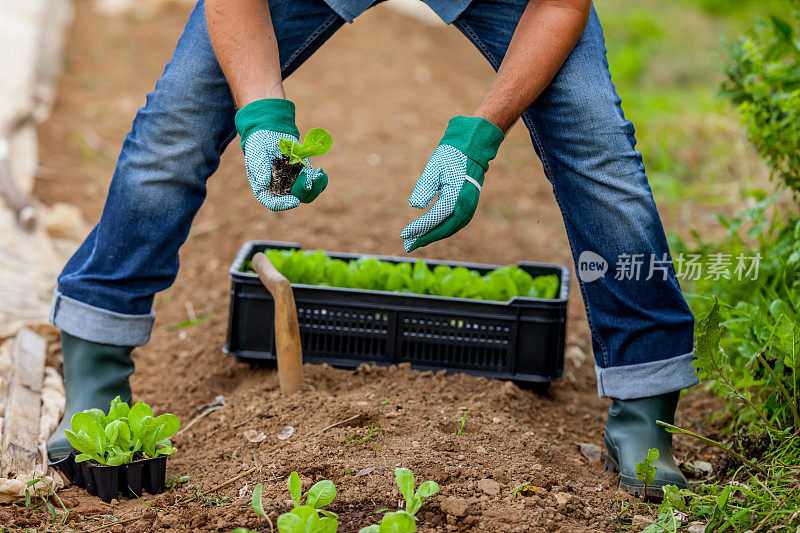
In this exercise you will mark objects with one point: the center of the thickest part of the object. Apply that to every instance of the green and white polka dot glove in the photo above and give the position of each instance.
(455, 171)
(261, 125)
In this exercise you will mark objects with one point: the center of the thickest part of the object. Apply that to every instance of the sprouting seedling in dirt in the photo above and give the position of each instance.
(257, 504)
(525, 489)
(352, 442)
(403, 521)
(29, 486)
(395, 522)
(305, 518)
(645, 471)
(286, 169)
(414, 499)
(462, 430)
(175, 481)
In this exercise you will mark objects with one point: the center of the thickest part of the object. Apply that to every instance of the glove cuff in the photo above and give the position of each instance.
(274, 114)
(475, 137)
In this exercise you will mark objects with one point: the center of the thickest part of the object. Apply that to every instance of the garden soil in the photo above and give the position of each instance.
(385, 88)
(283, 176)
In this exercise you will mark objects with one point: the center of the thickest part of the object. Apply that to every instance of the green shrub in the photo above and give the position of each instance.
(747, 345)
(756, 313)
(755, 485)
(763, 80)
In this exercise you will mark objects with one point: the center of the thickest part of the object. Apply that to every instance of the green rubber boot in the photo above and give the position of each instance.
(94, 374)
(631, 431)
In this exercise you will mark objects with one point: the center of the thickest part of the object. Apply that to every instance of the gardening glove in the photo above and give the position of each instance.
(261, 125)
(455, 171)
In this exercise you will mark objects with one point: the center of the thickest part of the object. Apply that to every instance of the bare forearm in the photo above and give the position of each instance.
(545, 35)
(244, 41)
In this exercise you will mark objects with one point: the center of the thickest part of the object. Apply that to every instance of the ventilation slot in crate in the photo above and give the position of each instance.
(479, 344)
(331, 331)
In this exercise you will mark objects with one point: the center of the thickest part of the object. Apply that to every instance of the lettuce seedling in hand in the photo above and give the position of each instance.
(318, 141)
(286, 169)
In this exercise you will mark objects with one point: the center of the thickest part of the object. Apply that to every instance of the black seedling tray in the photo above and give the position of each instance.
(109, 482)
(521, 339)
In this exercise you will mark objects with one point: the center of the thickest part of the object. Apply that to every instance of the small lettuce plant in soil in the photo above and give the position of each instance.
(402, 520)
(310, 517)
(287, 168)
(316, 268)
(305, 517)
(122, 435)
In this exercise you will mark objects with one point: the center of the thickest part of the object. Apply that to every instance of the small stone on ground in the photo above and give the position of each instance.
(455, 506)
(591, 451)
(489, 486)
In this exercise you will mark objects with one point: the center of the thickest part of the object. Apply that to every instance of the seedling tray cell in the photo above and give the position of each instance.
(109, 482)
(521, 339)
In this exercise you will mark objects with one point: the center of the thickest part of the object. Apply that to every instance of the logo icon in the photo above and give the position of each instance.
(591, 266)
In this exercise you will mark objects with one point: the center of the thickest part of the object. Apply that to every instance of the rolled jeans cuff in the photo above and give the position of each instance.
(646, 379)
(99, 325)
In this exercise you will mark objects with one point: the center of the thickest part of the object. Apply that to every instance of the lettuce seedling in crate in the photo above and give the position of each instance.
(286, 169)
(316, 268)
(305, 518)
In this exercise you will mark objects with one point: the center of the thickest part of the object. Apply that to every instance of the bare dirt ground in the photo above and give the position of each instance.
(385, 87)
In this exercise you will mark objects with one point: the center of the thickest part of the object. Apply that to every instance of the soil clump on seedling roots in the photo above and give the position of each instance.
(284, 175)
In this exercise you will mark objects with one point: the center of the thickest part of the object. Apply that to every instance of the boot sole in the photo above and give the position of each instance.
(654, 493)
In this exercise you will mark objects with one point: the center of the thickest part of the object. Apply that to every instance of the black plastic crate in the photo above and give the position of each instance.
(521, 339)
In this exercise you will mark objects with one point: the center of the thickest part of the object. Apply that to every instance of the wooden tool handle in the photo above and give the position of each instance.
(287, 330)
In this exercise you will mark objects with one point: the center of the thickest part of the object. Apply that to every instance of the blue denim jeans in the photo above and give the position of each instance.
(641, 329)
